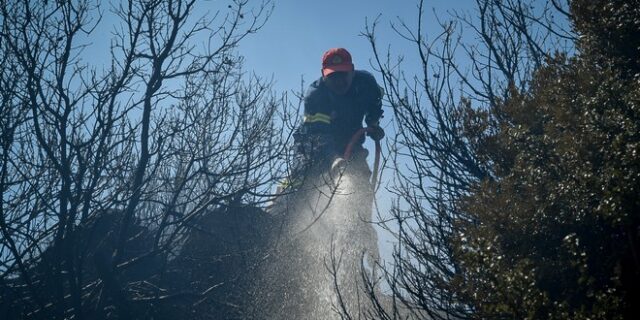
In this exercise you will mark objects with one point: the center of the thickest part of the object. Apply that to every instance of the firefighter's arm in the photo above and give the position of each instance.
(316, 118)
(315, 130)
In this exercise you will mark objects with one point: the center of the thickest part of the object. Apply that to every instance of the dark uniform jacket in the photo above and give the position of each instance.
(333, 119)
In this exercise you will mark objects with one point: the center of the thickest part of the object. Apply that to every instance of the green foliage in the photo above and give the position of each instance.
(555, 233)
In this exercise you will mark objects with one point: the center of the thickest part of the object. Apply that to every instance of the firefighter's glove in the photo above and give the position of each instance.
(375, 132)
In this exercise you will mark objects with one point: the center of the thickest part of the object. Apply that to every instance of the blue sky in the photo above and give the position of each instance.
(291, 44)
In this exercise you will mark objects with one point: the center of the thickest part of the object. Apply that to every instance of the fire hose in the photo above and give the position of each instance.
(349, 150)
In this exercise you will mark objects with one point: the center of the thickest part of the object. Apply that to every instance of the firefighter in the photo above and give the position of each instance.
(335, 106)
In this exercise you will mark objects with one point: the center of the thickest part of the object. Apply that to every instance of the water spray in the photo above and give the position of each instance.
(316, 263)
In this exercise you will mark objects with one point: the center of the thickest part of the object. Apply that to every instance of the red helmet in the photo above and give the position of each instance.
(336, 59)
